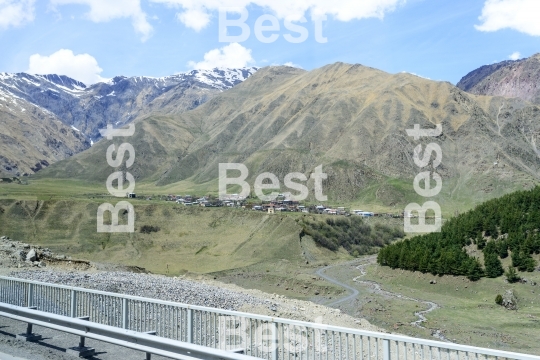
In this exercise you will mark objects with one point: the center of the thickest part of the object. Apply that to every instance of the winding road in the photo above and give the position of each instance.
(376, 288)
(354, 292)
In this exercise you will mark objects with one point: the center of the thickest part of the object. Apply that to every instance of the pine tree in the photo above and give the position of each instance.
(511, 275)
(502, 248)
(475, 271)
(493, 265)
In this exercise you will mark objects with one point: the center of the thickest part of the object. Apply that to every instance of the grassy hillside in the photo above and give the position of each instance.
(173, 239)
(500, 227)
(467, 315)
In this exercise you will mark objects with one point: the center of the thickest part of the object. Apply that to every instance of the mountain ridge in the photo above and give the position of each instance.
(350, 118)
(511, 79)
(86, 109)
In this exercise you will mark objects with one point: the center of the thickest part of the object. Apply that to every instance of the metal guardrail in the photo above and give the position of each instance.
(127, 338)
(260, 336)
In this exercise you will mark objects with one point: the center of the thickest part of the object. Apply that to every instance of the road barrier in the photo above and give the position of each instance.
(258, 336)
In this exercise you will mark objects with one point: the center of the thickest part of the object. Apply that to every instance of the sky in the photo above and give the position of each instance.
(94, 40)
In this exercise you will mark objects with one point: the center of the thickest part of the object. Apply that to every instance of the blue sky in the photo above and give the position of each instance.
(438, 39)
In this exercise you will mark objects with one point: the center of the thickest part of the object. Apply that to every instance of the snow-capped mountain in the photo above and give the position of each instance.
(83, 110)
(119, 100)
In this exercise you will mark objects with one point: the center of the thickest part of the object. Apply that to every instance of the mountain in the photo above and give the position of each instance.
(513, 79)
(32, 137)
(349, 118)
(90, 108)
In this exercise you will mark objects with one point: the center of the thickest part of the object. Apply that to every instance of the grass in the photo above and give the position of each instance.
(468, 313)
(190, 239)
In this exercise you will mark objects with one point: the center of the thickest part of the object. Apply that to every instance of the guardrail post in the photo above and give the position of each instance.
(386, 349)
(30, 297)
(149, 355)
(82, 350)
(125, 314)
(189, 334)
(275, 351)
(29, 335)
(73, 312)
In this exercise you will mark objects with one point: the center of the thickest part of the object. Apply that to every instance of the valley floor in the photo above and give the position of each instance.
(453, 309)
(450, 309)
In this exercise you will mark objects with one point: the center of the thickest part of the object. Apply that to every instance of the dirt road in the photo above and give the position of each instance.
(377, 289)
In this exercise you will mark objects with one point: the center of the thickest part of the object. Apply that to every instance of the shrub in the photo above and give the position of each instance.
(498, 299)
(147, 229)
(352, 233)
(511, 275)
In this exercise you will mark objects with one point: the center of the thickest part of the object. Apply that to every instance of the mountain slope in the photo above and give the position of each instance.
(351, 119)
(121, 99)
(520, 79)
(88, 109)
(32, 137)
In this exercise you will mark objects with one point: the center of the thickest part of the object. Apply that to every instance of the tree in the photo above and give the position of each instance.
(475, 271)
(498, 299)
(493, 265)
(480, 241)
(502, 249)
(511, 275)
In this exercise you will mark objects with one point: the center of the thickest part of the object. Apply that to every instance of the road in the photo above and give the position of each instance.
(376, 288)
(353, 292)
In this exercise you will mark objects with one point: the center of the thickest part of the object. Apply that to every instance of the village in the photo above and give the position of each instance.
(282, 203)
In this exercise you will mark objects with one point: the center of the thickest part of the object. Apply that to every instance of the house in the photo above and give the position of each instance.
(365, 214)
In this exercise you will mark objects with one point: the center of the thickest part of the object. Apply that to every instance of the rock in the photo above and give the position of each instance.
(31, 255)
(433, 282)
(510, 301)
(3, 238)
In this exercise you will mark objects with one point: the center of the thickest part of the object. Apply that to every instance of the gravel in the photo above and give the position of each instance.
(150, 286)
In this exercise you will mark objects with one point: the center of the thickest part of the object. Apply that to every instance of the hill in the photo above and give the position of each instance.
(511, 79)
(499, 227)
(349, 118)
(173, 239)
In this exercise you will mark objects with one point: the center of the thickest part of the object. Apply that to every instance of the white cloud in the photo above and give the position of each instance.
(231, 56)
(15, 13)
(107, 10)
(194, 18)
(520, 15)
(515, 56)
(291, 64)
(82, 67)
(343, 10)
